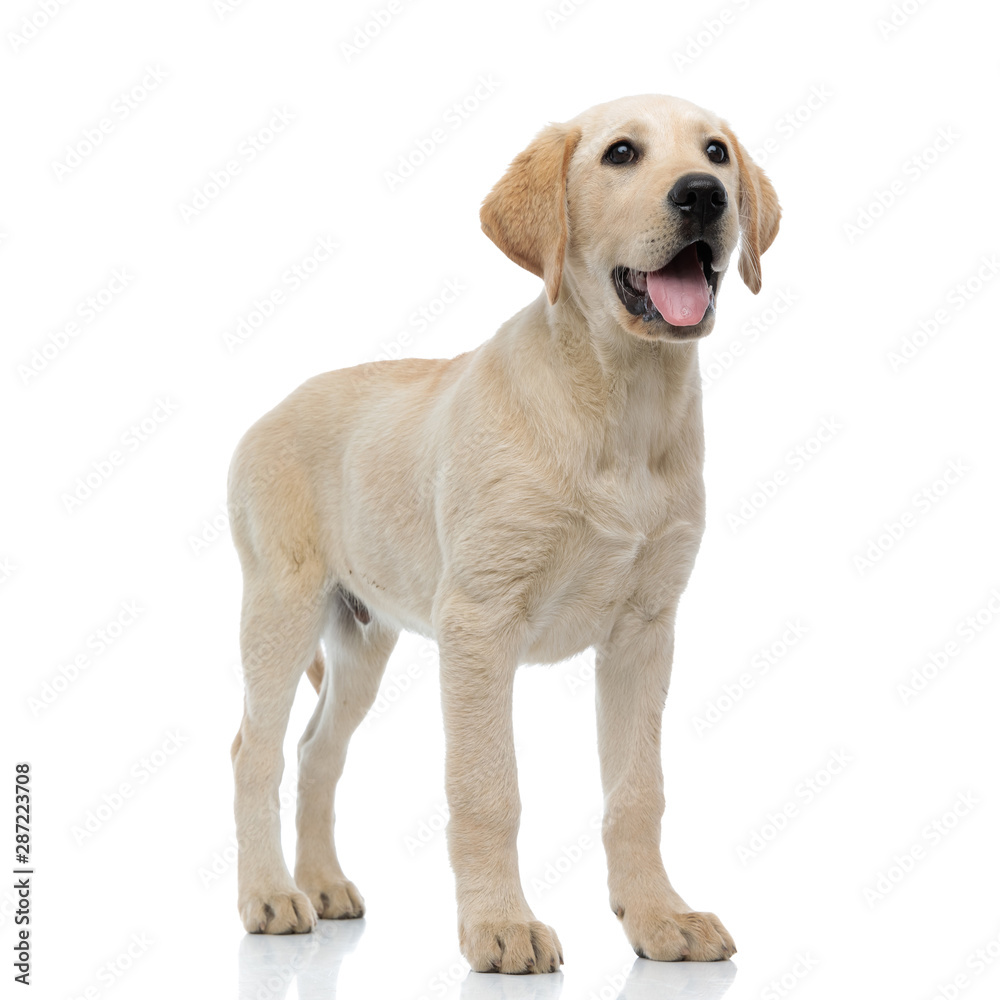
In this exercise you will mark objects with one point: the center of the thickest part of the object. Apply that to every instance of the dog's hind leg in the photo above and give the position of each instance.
(358, 648)
(280, 629)
(286, 604)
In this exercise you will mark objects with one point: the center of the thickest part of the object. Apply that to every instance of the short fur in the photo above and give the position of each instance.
(519, 503)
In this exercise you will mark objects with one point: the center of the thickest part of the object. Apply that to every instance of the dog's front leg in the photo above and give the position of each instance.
(633, 671)
(497, 930)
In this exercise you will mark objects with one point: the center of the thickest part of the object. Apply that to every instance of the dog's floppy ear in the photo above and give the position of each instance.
(525, 213)
(759, 214)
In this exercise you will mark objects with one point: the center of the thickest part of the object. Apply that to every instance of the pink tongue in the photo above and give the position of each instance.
(680, 290)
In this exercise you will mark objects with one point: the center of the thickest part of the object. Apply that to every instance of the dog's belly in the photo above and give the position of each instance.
(574, 602)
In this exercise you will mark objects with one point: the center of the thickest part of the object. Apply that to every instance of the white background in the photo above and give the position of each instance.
(156, 709)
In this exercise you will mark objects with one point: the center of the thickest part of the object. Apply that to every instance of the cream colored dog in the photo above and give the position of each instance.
(519, 503)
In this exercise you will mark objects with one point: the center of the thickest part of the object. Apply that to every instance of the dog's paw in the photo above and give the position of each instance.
(333, 898)
(510, 946)
(280, 911)
(675, 937)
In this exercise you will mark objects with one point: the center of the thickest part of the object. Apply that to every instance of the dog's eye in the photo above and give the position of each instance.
(716, 152)
(621, 152)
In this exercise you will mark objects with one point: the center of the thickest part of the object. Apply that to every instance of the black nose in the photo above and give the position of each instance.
(701, 196)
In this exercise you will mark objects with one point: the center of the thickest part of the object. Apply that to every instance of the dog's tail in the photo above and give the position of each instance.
(315, 671)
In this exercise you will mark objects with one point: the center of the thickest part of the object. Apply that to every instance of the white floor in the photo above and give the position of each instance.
(836, 850)
(337, 960)
(862, 884)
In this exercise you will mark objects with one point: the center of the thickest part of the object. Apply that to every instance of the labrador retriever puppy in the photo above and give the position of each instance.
(520, 503)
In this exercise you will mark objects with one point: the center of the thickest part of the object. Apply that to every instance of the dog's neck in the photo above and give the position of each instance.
(627, 400)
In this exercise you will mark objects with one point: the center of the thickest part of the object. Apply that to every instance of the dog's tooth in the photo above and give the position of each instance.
(637, 279)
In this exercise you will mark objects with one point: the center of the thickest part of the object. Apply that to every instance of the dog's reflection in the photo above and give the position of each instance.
(269, 963)
(493, 986)
(676, 981)
(645, 981)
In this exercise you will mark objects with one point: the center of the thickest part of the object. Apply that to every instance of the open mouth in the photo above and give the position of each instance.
(679, 293)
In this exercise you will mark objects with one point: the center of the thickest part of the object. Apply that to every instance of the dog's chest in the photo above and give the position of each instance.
(633, 502)
(631, 536)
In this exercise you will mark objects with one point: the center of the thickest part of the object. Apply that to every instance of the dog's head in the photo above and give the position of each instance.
(638, 205)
